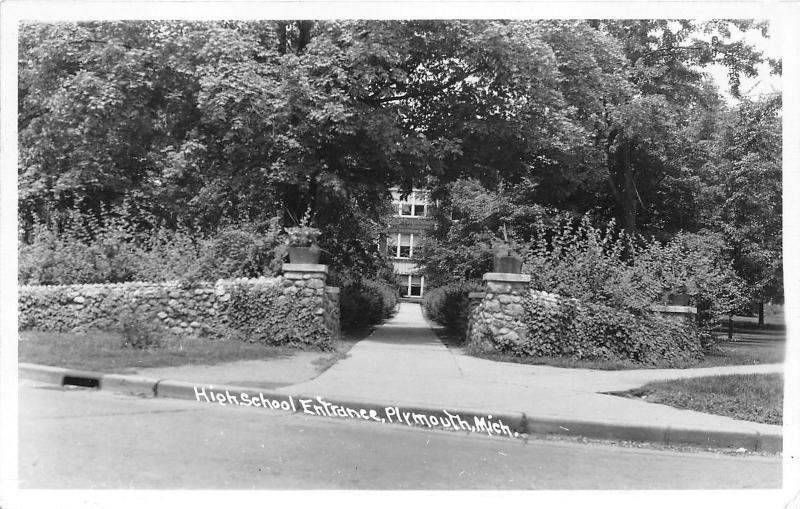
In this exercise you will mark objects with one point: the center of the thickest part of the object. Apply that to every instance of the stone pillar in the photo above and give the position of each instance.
(305, 271)
(680, 314)
(309, 282)
(475, 299)
(497, 320)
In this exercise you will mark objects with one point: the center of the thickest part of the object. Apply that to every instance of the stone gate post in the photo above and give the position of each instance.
(497, 319)
(309, 279)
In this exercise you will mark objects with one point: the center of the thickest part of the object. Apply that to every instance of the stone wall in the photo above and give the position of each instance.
(497, 318)
(297, 304)
(512, 319)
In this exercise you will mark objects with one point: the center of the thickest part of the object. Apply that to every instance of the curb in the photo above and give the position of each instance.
(519, 423)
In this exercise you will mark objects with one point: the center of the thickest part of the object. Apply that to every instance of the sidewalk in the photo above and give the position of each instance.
(403, 363)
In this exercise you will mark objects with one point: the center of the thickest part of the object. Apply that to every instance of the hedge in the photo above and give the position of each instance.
(570, 328)
(367, 303)
(448, 305)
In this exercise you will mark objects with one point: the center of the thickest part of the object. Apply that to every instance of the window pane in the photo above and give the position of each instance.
(416, 286)
(419, 210)
(405, 245)
(402, 282)
(405, 209)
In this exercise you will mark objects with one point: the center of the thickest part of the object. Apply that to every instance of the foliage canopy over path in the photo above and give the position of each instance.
(202, 125)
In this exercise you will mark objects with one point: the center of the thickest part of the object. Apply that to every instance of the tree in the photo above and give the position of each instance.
(665, 58)
(209, 124)
(212, 125)
(744, 197)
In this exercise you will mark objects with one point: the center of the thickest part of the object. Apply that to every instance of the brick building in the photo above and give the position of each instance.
(406, 228)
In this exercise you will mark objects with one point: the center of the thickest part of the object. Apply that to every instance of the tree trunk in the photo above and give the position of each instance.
(281, 29)
(761, 313)
(304, 37)
(629, 191)
(622, 185)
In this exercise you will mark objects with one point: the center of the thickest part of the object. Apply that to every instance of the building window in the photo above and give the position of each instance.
(415, 205)
(400, 245)
(410, 285)
(406, 245)
(415, 286)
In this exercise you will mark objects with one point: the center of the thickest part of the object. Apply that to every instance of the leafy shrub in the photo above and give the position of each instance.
(448, 305)
(239, 252)
(68, 258)
(570, 328)
(389, 295)
(606, 266)
(137, 332)
(366, 303)
(85, 249)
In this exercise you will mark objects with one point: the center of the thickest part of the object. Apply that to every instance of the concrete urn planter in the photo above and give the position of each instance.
(304, 254)
(508, 262)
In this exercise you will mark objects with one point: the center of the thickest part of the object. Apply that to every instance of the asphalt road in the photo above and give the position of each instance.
(82, 438)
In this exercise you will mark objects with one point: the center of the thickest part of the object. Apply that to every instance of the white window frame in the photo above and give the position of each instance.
(413, 201)
(407, 284)
(396, 253)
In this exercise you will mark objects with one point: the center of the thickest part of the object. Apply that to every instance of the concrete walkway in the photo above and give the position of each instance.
(404, 363)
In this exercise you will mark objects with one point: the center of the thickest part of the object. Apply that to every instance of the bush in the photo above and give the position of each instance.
(53, 258)
(570, 328)
(389, 295)
(239, 252)
(448, 305)
(366, 303)
(137, 333)
(606, 266)
(84, 249)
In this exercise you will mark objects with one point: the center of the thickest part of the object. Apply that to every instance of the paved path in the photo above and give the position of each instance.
(404, 363)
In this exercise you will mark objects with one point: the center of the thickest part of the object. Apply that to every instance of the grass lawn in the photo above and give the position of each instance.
(755, 397)
(103, 351)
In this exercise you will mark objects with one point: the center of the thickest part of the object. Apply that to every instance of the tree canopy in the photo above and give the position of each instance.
(206, 125)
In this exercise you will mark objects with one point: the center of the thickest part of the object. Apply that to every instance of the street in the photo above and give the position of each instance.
(83, 438)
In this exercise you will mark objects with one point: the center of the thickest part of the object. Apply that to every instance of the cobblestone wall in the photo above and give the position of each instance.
(510, 318)
(280, 303)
